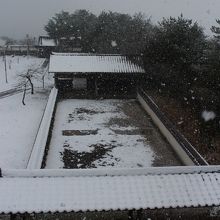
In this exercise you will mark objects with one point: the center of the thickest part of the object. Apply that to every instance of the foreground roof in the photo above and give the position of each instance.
(94, 63)
(36, 191)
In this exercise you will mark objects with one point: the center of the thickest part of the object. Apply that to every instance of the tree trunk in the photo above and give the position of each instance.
(24, 94)
(32, 86)
(43, 81)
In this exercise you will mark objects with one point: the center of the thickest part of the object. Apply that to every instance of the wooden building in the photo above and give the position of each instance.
(97, 75)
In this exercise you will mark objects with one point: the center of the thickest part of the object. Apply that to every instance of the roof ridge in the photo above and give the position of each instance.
(153, 171)
(94, 54)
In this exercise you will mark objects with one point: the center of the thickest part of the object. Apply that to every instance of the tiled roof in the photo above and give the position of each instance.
(143, 190)
(90, 63)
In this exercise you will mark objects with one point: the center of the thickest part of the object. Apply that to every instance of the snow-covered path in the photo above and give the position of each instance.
(18, 129)
(10, 92)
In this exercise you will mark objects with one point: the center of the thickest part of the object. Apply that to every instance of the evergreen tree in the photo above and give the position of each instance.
(72, 29)
(216, 30)
(110, 32)
(175, 52)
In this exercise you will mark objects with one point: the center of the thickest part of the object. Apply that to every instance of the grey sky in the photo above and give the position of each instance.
(21, 17)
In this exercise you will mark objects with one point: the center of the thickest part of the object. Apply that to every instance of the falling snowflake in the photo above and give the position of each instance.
(208, 115)
(114, 43)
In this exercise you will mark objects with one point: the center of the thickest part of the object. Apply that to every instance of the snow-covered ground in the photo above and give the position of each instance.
(18, 123)
(96, 133)
(19, 126)
(16, 65)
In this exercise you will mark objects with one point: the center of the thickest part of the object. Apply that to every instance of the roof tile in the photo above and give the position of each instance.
(120, 192)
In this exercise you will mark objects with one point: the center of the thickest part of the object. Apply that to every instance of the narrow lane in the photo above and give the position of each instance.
(10, 92)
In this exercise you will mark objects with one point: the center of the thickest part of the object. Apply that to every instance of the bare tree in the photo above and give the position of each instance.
(28, 78)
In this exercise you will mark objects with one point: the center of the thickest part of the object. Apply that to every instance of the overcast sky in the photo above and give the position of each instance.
(21, 17)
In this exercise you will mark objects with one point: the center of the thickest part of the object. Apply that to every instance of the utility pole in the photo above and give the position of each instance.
(5, 62)
(27, 36)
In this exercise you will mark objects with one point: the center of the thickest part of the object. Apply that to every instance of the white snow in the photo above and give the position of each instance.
(19, 126)
(114, 43)
(16, 65)
(98, 193)
(128, 151)
(19, 123)
(92, 63)
(37, 153)
(48, 42)
(208, 115)
(109, 171)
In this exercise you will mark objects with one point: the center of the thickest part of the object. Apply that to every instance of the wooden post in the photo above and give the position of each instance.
(139, 214)
(27, 36)
(27, 216)
(96, 87)
(130, 215)
(13, 217)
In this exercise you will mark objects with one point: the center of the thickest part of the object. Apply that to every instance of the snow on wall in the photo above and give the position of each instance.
(41, 140)
(109, 171)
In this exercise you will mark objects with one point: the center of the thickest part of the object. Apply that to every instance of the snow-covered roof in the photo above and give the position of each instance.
(90, 63)
(18, 45)
(104, 190)
(2, 42)
(46, 42)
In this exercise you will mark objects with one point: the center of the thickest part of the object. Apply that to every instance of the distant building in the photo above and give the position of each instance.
(46, 46)
(22, 48)
(2, 42)
(2, 46)
(94, 74)
(70, 44)
(17, 49)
